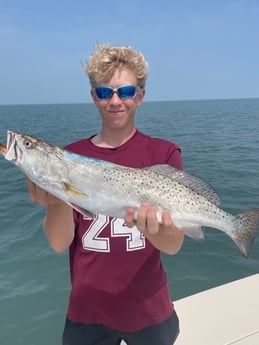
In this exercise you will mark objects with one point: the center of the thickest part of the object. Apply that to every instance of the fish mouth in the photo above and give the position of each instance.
(3, 149)
(9, 151)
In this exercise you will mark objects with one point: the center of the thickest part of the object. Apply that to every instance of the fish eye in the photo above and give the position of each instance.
(27, 144)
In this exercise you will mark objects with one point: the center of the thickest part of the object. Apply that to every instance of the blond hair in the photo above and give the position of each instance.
(107, 58)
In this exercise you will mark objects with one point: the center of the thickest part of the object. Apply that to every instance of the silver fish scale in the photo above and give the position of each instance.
(102, 187)
(147, 186)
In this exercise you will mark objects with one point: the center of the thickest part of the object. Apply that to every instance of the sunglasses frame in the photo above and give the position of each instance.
(117, 91)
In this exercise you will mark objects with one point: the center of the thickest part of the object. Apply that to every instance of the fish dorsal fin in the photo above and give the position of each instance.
(196, 184)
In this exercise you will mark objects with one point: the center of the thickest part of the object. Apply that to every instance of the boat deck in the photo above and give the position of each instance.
(225, 315)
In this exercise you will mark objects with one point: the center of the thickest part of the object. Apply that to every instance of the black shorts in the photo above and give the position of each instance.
(164, 333)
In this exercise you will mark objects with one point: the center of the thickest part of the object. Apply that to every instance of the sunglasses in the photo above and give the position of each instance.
(124, 92)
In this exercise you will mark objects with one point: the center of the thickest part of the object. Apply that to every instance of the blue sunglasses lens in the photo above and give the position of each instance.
(128, 91)
(103, 92)
(124, 92)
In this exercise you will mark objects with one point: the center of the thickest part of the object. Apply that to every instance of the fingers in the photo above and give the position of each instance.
(167, 222)
(39, 195)
(146, 219)
(36, 194)
(31, 188)
(30, 185)
(129, 218)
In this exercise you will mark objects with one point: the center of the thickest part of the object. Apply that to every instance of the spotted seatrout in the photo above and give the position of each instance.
(95, 186)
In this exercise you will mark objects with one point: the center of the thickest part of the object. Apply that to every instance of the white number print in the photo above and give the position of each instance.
(90, 239)
(135, 240)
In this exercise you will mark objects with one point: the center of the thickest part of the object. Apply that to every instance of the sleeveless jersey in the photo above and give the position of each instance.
(116, 274)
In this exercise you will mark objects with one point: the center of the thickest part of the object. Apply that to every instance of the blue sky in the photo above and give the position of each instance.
(195, 49)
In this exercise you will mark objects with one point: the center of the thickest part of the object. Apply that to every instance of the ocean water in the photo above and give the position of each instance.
(220, 143)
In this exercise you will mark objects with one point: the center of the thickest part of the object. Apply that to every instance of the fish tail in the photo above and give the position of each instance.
(247, 226)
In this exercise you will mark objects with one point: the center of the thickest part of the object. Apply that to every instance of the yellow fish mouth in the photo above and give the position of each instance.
(3, 149)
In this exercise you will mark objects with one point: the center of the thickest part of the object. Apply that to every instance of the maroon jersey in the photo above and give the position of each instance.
(117, 275)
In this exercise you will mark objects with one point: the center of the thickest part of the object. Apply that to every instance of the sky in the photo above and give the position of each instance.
(195, 49)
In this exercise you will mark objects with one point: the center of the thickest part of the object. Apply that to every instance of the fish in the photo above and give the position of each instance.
(93, 186)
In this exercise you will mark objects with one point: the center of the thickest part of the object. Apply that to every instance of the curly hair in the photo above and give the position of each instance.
(107, 58)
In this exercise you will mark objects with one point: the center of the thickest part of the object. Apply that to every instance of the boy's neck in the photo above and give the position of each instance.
(112, 139)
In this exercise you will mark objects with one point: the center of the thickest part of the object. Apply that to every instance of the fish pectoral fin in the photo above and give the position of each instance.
(83, 211)
(196, 232)
(73, 191)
